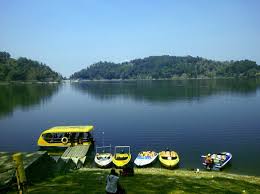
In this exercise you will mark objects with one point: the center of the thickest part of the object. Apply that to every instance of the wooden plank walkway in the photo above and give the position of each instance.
(7, 167)
(76, 154)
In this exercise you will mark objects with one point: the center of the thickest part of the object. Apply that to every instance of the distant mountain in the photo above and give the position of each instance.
(24, 69)
(168, 67)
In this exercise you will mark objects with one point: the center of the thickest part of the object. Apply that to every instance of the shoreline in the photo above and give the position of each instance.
(44, 171)
(123, 80)
(27, 82)
(89, 165)
(170, 79)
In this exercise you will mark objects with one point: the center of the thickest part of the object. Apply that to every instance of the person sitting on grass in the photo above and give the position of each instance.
(112, 181)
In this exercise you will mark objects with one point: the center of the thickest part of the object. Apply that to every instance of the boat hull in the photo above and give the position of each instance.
(143, 160)
(103, 160)
(120, 160)
(220, 160)
(170, 161)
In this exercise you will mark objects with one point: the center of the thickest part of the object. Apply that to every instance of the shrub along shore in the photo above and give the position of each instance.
(149, 180)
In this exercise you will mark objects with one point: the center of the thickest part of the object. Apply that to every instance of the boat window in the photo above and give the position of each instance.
(57, 137)
(72, 137)
(53, 137)
(47, 137)
(79, 138)
(121, 158)
(66, 135)
(75, 137)
(103, 157)
(169, 158)
(87, 136)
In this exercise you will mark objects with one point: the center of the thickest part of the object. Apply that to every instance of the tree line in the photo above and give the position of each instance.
(169, 67)
(23, 69)
(153, 67)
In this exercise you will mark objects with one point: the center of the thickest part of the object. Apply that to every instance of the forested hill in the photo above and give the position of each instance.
(24, 69)
(167, 67)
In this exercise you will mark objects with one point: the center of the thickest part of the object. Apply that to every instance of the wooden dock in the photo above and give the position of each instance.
(77, 154)
(40, 165)
(31, 162)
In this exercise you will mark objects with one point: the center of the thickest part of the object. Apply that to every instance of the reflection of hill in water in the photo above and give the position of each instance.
(166, 91)
(24, 95)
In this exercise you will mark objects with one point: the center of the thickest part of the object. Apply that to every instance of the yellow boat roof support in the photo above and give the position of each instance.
(69, 129)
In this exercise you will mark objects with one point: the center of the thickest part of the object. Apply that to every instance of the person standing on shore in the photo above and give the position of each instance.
(209, 162)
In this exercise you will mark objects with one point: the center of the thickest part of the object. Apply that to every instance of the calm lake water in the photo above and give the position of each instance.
(192, 117)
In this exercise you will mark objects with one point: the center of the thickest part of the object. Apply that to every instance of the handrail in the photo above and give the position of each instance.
(100, 147)
(117, 147)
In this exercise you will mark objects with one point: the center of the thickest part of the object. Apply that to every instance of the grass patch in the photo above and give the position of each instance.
(150, 181)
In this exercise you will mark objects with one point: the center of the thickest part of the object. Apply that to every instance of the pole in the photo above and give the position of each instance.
(20, 173)
(103, 138)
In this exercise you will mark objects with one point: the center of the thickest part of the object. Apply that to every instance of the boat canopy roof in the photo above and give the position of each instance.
(69, 129)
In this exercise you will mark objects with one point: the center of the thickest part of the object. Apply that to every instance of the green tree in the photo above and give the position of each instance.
(156, 67)
(24, 69)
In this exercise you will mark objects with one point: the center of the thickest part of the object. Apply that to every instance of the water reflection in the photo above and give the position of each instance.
(166, 91)
(24, 96)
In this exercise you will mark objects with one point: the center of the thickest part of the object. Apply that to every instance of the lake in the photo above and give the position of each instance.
(193, 117)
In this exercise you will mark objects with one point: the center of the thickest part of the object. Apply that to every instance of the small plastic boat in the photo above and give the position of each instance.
(219, 160)
(169, 158)
(103, 157)
(145, 157)
(122, 156)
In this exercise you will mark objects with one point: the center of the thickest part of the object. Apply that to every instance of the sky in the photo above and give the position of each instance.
(69, 35)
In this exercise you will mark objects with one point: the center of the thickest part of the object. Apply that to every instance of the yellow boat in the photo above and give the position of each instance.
(169, 159)
(65, 136)
(123, 157)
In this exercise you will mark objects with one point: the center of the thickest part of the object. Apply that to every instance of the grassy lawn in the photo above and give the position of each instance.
(150, 180)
